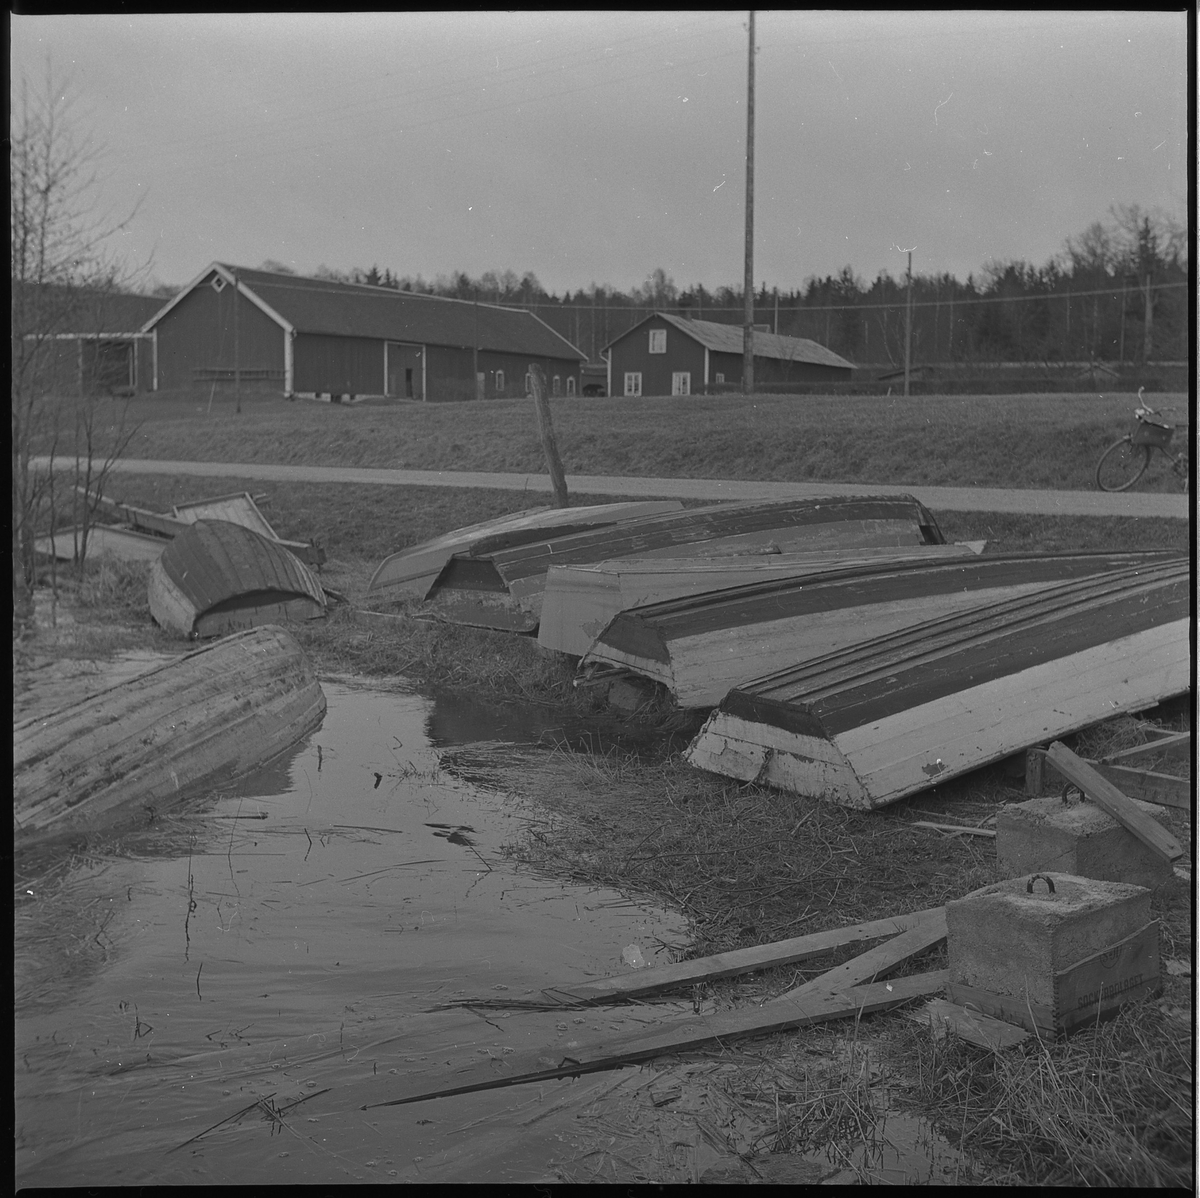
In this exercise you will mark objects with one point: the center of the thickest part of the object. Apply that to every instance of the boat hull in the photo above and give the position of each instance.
(410, 572)
(701, 647)
(891, 717)
(200, 720)
(216, 578)
(505, 589)
(579, 601)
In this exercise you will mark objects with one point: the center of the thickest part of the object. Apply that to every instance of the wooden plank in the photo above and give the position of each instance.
(877, 962)
(137, 517)
(1105, 795)
(781, 1015)
(955, 828)
(742, 960)
(973, 1026)
(121, 543)
(1166, 790)
(1175, 744)
(1007, 1008)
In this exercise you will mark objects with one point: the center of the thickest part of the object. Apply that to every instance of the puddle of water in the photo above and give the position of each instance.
(286, 941)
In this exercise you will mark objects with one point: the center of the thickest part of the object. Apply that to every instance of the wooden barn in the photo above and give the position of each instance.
(673, 355)
(91, 342)
(316, 337)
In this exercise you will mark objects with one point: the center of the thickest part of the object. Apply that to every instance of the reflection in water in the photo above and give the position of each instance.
(214, 998)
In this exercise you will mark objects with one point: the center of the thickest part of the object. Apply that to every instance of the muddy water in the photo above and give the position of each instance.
(215, 998)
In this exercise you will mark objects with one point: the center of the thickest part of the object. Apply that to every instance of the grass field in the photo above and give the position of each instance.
(1023, 441)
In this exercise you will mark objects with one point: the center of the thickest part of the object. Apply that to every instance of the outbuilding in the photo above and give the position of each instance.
(90, 342)
(318, 337)
(673, 355)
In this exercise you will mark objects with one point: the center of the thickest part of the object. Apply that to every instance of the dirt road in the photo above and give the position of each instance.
(945, 499)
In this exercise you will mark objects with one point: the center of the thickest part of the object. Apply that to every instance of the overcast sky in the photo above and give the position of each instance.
(593, 147)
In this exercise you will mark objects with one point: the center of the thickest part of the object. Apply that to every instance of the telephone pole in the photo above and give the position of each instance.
(748, 286)
(908, 328)
(237, 357)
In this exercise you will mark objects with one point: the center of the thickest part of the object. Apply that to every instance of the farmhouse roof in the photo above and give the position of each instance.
(727, 339)
(323, 306)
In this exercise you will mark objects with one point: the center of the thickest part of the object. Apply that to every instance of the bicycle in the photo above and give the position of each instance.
(1126, 460)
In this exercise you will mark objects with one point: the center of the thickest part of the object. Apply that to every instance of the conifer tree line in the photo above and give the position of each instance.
(1088, 303)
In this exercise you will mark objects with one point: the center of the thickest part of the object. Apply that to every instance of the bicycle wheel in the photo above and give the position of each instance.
(1121, 465)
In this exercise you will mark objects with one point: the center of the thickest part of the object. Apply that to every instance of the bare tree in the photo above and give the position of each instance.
(60, 269)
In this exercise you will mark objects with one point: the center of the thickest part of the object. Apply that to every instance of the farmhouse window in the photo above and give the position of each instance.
(218, 283)
(556, 386)
(720, 376)
(658, 341)
(681, 382)
(633, 382)
(570, 384)
(499, 382)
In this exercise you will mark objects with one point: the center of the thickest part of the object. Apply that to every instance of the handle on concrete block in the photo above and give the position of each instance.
(1045, 878)
(1069, 787)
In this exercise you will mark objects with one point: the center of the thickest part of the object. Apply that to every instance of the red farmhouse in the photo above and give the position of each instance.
(671, 355)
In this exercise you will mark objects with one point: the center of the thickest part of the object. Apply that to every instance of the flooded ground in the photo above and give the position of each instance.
(290, 939)
(232, 995)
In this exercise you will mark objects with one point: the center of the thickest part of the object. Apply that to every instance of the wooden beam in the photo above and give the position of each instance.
(742, 960)
(781, 1015)
(1106, 796)
(877, 962)
(1166, 790)
(1034, 759)
(956, 828)
(975, 1027)
(1176, 744)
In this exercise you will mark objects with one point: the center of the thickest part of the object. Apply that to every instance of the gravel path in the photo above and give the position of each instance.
(945, 499)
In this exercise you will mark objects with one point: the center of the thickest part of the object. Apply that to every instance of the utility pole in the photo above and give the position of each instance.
(748, 285)
(908, 328)
(475, 350)
(1149, 321)
(776, 311)
(237, 357)
(1121, 347)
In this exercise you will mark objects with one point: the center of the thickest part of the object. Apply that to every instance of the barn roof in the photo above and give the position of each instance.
(83, 312)
(727, 339)
(323, 306)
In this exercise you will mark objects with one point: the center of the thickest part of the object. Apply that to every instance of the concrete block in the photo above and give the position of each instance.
(1009, 941)
(1078, 838)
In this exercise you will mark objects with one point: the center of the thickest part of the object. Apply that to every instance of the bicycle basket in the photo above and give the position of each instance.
(1147, 433)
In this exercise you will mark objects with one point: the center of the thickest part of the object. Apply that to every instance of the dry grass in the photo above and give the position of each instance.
(746, 864)
(1110, 1106)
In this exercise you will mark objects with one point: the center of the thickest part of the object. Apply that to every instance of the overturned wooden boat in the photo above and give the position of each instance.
(412, 571)
(884, 718)
(700, 646)
(579, 601)
(240, 508)
(199, 720)
(216, 577)
(504, 589)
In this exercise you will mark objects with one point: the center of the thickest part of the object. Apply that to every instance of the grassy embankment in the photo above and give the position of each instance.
(747, 865)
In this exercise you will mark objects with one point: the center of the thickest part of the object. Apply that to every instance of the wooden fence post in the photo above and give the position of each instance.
(558, 479)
